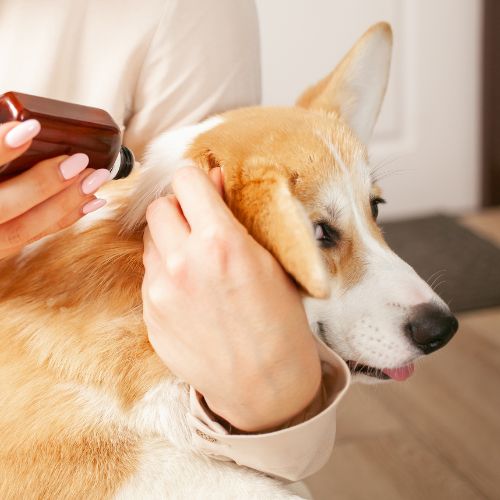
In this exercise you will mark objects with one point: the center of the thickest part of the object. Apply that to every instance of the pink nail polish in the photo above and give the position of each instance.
(22, 133)
(73, 165)
(93, 205)
(95, 180)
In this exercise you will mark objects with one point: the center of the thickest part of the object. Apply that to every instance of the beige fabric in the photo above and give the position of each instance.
(155, 65)
(292, 453)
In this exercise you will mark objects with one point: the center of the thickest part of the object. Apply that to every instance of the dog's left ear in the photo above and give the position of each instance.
(356, 88)
(260, 197)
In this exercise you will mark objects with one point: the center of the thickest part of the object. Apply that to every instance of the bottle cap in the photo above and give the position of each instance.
(124, 164)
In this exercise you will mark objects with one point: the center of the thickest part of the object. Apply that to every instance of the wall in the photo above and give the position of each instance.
(427, 138)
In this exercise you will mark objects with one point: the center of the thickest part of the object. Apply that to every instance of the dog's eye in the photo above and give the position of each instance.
(374, 203)
(327, 236)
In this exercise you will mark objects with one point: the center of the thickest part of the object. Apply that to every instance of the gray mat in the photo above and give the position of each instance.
(469, 265)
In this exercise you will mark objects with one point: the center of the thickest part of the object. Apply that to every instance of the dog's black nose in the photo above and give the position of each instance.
(430, 327)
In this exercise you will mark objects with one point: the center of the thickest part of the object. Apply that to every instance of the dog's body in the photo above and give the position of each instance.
(87, 408)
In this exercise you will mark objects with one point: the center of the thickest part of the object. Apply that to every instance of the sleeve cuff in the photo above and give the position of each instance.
(290, 453)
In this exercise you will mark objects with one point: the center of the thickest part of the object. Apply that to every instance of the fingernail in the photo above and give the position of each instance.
(95, 180)
(22, 133)
(73, 165)
(93, 205)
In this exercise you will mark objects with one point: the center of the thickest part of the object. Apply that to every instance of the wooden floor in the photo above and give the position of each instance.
(434, 437)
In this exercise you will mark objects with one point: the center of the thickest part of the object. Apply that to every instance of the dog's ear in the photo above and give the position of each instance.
(356, 87)
(259, 196)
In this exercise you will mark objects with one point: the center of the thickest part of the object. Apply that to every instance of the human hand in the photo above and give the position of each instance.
(48, 197)
(220, 311)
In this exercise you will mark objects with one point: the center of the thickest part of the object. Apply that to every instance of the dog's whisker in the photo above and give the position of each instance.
(442, 282)
(438, 279)
(385, 162)
(382, 175)
(433, 275)
(435, 281)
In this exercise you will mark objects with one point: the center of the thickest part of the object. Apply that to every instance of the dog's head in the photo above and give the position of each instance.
(299, 179)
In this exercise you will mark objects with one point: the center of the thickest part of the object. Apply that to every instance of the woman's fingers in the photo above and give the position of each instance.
(57, 212)
(15, 138)
(70, 218)
(32, 187)
(200, 201)
(168, 230)
(63, 223)
(167, 226)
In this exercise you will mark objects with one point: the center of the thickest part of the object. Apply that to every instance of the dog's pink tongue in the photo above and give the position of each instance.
(401, 373)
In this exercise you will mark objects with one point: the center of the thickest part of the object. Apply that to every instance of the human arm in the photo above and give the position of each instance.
(222, 314)
(291, 436)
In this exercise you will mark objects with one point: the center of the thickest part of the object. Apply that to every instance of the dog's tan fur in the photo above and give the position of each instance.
(56, 336)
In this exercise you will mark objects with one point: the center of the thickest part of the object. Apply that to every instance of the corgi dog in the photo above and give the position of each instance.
(88, 410)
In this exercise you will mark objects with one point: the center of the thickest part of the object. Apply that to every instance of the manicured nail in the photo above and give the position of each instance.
(93, 205)
(95, 180)
(73, 165)
(22, 133)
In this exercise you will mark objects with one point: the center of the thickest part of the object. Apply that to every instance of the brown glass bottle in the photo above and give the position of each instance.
(66, 129)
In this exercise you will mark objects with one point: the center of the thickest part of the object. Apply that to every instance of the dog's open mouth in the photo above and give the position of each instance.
(401, 373)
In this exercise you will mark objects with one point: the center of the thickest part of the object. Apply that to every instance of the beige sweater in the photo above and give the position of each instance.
(154, 65)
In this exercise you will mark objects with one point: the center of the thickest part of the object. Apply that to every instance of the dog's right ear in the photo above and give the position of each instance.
(356, 87)
(260, 198)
